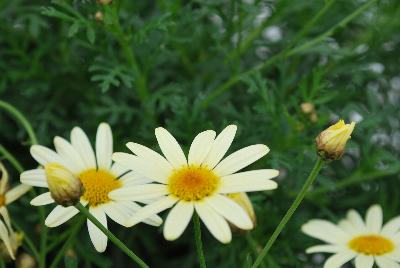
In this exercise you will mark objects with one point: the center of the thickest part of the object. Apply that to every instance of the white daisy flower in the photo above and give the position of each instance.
(199, 183)
(98, 175)
(367, 242)
(7, 196)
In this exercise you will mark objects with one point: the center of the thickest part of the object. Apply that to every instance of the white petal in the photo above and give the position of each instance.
(355, 219)
(170, 148)
(99, 239)
(34, 177)
(139, 192)
(4, 179)
(324, 249)
(348, 227)
(44, 155)
(249, 181)
(151, 209)
(394, 255)
(43, 199)
(153, 157)
(104, 146)
(153, 220)
(364, 261)
(241, 159)
(141, 165)
(214, 222)
(373, 219)
(325, 230)
(6, 217)
(391, 227)
(230, 210)
(16, 192)
(118, 170)
(337, 260)
(177, 220)
(59, 215)
(132, 179)
(200, 147)
(220, 146)
(384, 262)
(127, 209)
(68, 152)
(82, 145)
(4, 236)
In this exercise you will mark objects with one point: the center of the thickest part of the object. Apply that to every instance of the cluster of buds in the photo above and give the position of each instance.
(65, 188)
(332, 141)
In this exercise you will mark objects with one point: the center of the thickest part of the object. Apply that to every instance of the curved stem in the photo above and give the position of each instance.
(7, 155)
(289, 213)
(111, 236)
(199, 244)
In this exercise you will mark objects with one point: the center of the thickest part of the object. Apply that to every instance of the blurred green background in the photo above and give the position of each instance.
(196, 65)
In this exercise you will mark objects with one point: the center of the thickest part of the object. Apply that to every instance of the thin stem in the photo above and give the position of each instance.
(111, 236)
(311, 178)
(7, 155)
(21, 119)
(199, 244)
(72, 235)
(27, 240)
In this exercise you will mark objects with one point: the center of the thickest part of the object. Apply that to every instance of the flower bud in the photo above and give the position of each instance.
(243, 200)
(104, 2)
(65, 188)
(99, 16)
(332, 141)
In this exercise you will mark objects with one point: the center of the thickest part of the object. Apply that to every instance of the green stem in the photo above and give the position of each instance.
(111, 236)
(311, 178)
(26, 239)
(199, 244)
(72, 235)
(21, 119)
(7, 155)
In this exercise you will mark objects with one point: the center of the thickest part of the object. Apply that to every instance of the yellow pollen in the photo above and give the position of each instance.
(371, 245)
(2, 200)
(193, 183)
(97, 185)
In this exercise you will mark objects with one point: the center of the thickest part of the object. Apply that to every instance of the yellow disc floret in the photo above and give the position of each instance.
(193, 183)
(371, 245)
(97, 185)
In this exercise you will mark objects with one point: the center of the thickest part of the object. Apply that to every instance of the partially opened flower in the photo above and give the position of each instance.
(367, 242)
(197, 183)
(7, 196)
(98, 175)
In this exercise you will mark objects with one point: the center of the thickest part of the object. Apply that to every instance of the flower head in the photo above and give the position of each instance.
(96, 173)
(198, 183)
(367, 242)
(332, 141)
(10, 239)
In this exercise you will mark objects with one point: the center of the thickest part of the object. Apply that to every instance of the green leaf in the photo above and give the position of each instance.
(90, 34)
(73, 29)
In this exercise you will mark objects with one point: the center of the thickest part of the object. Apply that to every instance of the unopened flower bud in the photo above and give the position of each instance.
(331, 142)
(243, 200)
(65, 188)
(99, 16)
(104, 2)
(307, 107)
(25, 260)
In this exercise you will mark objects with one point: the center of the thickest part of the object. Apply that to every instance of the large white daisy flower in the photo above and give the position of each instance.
(199, 183)
(367, 242)
(7, 196)
(98, 175)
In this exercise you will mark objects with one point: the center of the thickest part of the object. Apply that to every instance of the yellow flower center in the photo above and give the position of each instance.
(2, 200)
(371, 245)
(193, 183)
(97, 185)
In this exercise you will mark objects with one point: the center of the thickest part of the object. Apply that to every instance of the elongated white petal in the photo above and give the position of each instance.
(99, 239)
(44, 155)
(16, 192)
(325, 231)
(82, 145)
(59, 215)
(220, 146)
(355, 219)
(151, 209)
(153, 220)
(364, 261)
(4, 236)
(240, 159)
(6, 217)
(384, 262)
(373, 219)
(200, 147)
(3, 178)
(337, 260)
(134, 179)
(34, 177)
(347, 227)
(324, 249)
(170, 148)
(249, 181)
(104, 146)
(230, 210)
(391, 227)
(68, 152)
(214, 222)
(177, 220)
(394, 255)
(151, 156)
(139, 192)
(141, 165)
(42, 199)
(119, 171)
